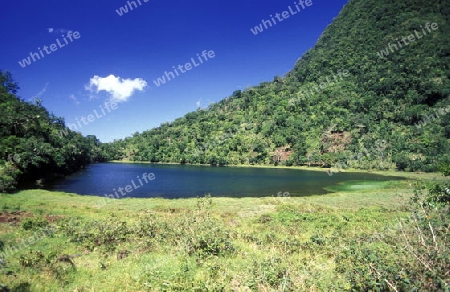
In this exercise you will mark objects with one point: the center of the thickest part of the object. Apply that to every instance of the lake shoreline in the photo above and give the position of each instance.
(118, 180)
(393, 173)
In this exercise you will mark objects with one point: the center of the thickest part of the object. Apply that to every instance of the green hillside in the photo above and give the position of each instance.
(344, 103)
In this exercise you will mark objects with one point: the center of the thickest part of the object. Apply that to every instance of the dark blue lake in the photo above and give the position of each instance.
(182, 181)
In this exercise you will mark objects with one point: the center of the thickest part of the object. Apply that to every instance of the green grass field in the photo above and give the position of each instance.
(202, 244)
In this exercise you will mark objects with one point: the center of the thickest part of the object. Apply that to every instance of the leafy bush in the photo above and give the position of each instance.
(270, 273)
(34, 224)
(32, 259)
(209, 244)
(205, 237)
(431, 195)
(8, 177)
(92, 234)
(445, 169)
(414, 256)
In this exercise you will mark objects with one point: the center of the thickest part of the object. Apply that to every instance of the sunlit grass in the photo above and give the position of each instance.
(277, 243)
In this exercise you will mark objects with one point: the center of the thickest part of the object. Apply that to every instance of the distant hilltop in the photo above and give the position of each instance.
(318, 120)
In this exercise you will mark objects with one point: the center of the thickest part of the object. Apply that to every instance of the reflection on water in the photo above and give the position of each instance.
(182, 181)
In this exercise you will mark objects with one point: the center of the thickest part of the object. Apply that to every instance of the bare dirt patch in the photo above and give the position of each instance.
(14, 217)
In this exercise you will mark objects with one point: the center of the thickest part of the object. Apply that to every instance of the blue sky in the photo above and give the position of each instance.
(118, 57)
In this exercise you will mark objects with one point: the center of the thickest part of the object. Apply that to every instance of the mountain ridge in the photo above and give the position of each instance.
(380, 100)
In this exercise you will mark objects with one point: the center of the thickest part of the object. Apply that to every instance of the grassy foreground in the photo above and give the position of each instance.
(53, 241)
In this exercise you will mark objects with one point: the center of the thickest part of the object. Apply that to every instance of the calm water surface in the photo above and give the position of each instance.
(183, 181)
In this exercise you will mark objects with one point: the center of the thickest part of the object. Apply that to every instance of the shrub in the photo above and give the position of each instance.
(272, 274)
(414, 256)
(444, 167)
(210, 244)
(9, 175)
(32, 259)
(93, 234)
(34, 224)
(431, 195)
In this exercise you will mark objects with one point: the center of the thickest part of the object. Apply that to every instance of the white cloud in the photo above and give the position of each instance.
(42, 91)
(119, 89)
(57, 30)
(74, 98)
(198, 103)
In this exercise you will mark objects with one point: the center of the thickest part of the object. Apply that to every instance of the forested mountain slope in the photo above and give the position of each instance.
(345, 101)
(36, 145)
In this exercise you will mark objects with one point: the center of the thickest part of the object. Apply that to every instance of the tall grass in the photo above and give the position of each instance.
(362, 237)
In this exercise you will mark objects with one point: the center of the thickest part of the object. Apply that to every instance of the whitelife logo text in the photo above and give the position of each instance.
(281, 16)
(184, 68)
(411, 38)
(53, 47)
(109, 106)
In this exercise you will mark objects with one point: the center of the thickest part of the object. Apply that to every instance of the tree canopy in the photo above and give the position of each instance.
(35, 144)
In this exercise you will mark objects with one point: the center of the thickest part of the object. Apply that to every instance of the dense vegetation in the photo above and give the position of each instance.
(36, 145)
(398, 101)
(381, 236)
